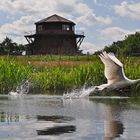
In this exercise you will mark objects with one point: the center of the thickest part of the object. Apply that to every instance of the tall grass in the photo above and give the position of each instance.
(132, 67)
(56, 74)
(51, 58)
(64, 78)
(11, 74)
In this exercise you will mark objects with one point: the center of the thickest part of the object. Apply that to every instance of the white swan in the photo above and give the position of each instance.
(114, 73)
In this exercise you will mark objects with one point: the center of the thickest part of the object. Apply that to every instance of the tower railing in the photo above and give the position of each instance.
(77, 32)
(30, 32)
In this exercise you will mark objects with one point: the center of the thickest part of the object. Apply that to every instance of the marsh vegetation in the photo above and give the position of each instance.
(58, 72)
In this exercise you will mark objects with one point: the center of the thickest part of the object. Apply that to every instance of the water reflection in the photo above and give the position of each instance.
(43, 117)
(96, 119)
(9, 117)
(57, 130)
(112, 129)
(56, 119)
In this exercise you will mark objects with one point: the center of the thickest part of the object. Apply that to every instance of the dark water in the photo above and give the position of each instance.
(38, 117)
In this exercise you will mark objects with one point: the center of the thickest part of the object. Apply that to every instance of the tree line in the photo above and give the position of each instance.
(130, 46)
(8, 47)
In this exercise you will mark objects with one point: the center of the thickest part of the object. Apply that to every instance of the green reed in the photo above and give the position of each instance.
(131, 67)
(69, 77)
(11, 74)
(62, 74)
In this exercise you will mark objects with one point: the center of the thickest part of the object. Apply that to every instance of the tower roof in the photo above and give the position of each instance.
(55, 18)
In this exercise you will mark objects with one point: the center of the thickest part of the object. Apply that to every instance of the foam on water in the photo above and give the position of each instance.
(22, 89)
(79, 93)
(109, 97)
(85, 92)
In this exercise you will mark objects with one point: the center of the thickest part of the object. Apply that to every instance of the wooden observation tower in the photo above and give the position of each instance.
(54, 35)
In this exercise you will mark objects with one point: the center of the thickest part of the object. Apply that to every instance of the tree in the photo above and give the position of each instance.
(130, 46)
(9, 47)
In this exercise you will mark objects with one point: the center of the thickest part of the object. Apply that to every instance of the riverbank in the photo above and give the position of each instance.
(58, 73)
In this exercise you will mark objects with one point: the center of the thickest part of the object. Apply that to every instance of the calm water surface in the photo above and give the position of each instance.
(39, 117)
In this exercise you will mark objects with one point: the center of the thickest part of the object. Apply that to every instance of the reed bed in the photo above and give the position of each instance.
(132, 67)
(12, 74)
(58, 74)
(68, 77)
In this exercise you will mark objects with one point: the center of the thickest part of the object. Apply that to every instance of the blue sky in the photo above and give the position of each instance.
(103, 21)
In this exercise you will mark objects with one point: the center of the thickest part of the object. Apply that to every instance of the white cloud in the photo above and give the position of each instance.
(114, 33)
(16, 30)
(37, 7)
(82, 8)
(88, 17)
(88, 47)
(131, 10)
(95, 1)
(31, 11)
(91, 19)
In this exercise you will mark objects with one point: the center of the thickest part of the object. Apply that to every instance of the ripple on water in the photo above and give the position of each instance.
(52, 117)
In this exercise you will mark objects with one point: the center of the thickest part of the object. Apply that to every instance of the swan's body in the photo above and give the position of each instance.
(114, 73)
(116, 79)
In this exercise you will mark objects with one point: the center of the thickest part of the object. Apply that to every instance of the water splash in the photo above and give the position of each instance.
(22, 89)
(79, 93)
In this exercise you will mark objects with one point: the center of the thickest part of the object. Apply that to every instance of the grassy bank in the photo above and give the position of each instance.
(55, 73)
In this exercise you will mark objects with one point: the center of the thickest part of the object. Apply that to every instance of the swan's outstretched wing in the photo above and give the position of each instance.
(113, 67)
